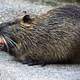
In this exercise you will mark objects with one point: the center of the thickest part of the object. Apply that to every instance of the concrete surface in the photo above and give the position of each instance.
(10, 9)
(11, 70)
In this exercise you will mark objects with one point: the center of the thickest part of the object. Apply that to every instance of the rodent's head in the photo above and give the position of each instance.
(12, 33)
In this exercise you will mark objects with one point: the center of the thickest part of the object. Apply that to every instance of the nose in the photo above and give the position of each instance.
(4, 27)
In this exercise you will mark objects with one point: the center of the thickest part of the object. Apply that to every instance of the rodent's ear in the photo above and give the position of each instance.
(27, 19)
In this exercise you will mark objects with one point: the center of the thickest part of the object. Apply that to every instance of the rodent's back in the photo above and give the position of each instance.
(55, 39)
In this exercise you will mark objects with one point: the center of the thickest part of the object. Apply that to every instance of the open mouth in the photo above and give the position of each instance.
(2, 43)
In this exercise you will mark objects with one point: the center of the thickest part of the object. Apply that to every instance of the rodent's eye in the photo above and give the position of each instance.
(27, 19)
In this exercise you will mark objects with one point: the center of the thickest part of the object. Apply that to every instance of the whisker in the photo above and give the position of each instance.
(6, 44)
(11, 42)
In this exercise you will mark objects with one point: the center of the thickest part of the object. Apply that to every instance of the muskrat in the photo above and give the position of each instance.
(53, 38)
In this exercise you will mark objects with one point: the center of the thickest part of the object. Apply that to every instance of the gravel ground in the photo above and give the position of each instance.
(10, 9)
(11, 70)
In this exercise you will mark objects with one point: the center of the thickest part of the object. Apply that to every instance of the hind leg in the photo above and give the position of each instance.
(27, 60)
(32, 62)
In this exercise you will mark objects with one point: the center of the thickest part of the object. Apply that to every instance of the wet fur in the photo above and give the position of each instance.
(54, 39)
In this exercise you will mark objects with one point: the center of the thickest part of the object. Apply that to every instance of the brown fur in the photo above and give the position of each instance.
(53, 38)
